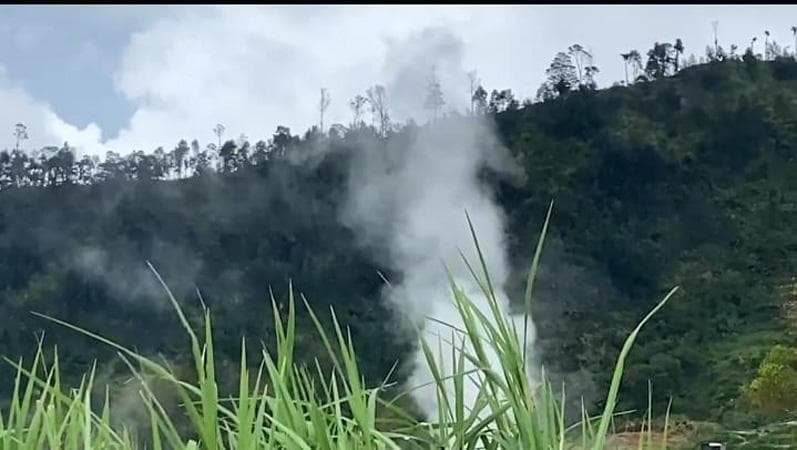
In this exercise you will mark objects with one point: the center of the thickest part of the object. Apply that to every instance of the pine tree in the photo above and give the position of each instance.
(434, 95)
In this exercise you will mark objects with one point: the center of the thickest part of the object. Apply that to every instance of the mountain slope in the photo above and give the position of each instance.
(688, 180)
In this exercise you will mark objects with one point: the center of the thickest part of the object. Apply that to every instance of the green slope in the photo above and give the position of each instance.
(688, 180)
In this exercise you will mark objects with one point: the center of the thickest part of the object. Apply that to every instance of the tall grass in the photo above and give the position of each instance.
(284, 405)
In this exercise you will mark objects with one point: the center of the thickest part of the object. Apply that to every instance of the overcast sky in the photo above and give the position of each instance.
(138, 77)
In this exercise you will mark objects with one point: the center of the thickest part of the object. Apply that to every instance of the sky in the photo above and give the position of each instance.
(127, 78)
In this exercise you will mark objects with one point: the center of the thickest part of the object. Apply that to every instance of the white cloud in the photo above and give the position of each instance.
(408, 65)
(45, 127)
(255, 67)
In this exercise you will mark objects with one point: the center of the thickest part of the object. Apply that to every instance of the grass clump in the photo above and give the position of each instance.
(284, 405)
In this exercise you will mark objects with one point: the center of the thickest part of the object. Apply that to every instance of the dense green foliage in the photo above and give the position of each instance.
(774, 389)
(685, 180)
(289, 405)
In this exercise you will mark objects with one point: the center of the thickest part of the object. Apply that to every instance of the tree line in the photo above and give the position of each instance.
(55, 166)
(574, 70)
(570, 71)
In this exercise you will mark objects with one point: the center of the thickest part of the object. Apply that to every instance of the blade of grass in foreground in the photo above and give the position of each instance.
(535, 263)
(611, 398)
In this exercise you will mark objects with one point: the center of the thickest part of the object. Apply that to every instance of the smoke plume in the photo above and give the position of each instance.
(409, 205)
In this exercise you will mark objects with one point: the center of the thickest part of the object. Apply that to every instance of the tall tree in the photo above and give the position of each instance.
(377, 99)
(218, 130)
(281, 141)
(434, 94)
(583, 62)
(144, 166)
(5, 169)
(774, 49)
(715, 25)
(562, 77)
(626, 58)
(766, 45)
(114, 167)
(202, 163)
(733, 54)
(21, 133)
(635, 60)
(242, 156)
(589, 77)
(479, 100)
(19, 162)
(502, 101)
(679, 50)
(323, 104)
(63, 164)
(357, 105)
(631, 58)
(711, 56)
(160, 163)
(660, 60)
(260, 154)
(85, 170)
(473, 83)
(180, 160)
(228, 154)
(794, 33)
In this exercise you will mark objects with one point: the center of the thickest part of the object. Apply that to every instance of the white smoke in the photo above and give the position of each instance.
(409, 64)
(411, 203)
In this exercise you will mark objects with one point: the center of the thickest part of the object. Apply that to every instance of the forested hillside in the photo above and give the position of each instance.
(688, 181)
(682, 180)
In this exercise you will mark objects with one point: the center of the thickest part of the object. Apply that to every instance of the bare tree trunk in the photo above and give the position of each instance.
(625, 67)
(323, 105)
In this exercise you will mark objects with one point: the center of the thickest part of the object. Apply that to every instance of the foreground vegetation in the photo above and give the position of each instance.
(284, 404)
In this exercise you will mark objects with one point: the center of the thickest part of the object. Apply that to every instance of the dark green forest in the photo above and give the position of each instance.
(685, 176)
